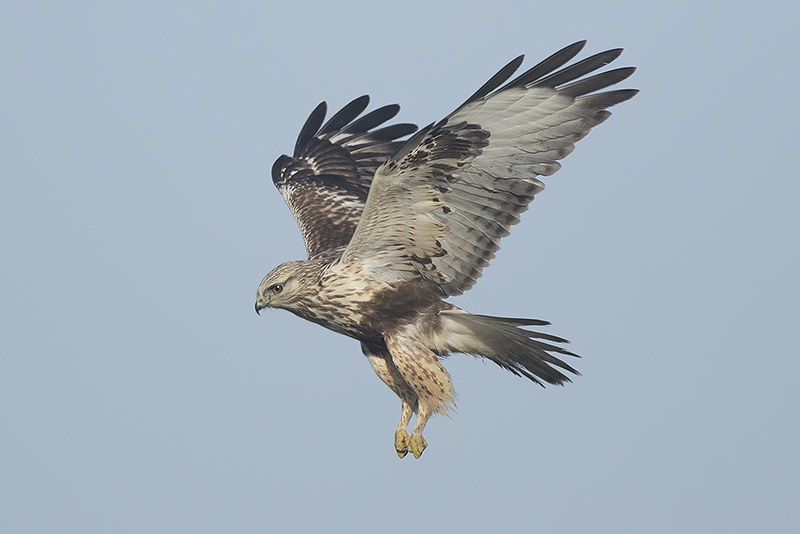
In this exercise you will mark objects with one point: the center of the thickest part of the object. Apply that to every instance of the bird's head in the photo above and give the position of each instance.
(280, 287)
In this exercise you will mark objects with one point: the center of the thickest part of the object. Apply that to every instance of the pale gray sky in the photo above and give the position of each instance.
(140, 393)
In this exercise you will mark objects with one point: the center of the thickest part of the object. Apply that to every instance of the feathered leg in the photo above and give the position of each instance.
(421, 369)
(382, 364)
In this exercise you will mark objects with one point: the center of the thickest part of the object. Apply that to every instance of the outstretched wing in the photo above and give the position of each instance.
(326, 181)
(439, 207)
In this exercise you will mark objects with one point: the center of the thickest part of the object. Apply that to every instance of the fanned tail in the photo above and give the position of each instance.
(506, 343)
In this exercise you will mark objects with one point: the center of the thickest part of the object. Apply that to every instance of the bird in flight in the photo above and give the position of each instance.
(392, 226)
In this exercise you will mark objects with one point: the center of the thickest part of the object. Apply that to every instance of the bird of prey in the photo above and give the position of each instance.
(392, 226)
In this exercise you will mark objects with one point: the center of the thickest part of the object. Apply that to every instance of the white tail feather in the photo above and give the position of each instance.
(504, 342)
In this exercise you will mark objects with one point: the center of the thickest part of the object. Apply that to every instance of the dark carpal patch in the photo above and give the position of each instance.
(459, 143)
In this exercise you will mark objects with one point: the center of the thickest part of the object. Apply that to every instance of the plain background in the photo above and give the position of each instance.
(140, 393)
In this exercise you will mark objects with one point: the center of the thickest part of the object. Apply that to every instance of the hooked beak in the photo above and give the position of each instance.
(259, 305)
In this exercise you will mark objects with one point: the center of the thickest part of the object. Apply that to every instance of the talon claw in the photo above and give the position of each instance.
(401, 442)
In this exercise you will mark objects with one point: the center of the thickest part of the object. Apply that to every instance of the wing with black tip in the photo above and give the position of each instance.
(326, 181)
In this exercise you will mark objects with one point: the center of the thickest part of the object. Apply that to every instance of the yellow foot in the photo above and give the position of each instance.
(418, 445)
(401, 443)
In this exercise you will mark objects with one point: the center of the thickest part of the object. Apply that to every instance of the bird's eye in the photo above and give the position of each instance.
(277, 288)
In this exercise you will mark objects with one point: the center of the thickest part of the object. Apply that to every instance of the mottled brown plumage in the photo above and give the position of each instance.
(392, 226)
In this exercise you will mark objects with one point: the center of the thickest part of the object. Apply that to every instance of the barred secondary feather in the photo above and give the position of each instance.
(392, 226)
